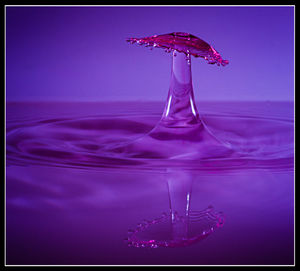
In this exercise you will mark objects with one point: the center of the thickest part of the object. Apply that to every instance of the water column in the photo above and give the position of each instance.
(180, 109)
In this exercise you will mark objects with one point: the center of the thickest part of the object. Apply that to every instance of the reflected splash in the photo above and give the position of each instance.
(158, 232)
(181, 226)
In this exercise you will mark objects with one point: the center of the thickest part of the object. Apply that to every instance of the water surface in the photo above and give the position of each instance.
(70, 200)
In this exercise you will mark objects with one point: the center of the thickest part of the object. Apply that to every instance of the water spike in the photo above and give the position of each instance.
(180, 110)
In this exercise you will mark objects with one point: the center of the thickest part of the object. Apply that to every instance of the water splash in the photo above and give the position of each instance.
(184, 43)
(180, 138)
(181, 131)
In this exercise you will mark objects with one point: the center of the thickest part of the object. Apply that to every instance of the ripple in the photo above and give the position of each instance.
(88, 143)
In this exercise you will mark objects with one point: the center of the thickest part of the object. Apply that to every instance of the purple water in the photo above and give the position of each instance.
(76, 135)
(105, 183)
(180, 138)
(67, 204)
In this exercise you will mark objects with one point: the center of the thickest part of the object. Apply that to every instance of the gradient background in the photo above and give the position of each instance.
(80, 53)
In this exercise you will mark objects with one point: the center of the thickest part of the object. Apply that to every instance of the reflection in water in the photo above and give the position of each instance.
(65, 199)
(181, 226)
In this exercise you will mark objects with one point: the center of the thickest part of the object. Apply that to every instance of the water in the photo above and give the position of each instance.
(182, 42)
(181, 137)
(67, 204)
(61, 136)
(83, 177)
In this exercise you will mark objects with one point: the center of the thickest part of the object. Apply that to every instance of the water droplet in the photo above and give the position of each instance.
(140, 42)
(188, 59)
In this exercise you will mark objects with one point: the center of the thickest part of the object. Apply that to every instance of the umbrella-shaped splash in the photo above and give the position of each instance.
(181, 133)
(182, 42)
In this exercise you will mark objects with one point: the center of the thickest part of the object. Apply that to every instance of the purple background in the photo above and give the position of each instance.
(80, 53)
